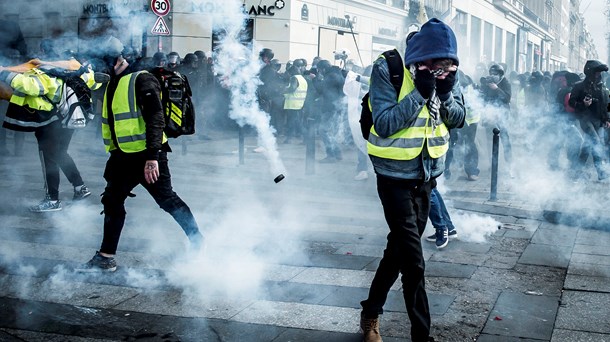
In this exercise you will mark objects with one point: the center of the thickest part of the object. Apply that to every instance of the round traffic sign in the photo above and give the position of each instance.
(160, 7)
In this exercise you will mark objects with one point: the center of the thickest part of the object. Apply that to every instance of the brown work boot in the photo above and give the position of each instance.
(369, 327)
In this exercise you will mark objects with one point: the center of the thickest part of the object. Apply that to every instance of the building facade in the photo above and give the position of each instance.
(525, 35)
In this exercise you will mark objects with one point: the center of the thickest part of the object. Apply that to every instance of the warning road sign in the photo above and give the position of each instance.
(160, 28)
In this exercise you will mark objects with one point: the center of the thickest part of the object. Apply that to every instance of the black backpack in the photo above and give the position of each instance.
(176, 97)
(396, 68)
(75, 107)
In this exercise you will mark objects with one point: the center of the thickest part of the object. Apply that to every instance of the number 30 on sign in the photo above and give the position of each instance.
(160, 7)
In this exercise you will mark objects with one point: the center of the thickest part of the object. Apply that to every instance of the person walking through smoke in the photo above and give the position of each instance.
(132, 129)
(590, 102)
(496, 91)
(32, 107)
(407, 144)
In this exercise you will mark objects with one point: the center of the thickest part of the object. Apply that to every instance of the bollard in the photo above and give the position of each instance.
(241, 145)
(310, 147)
(494, 165)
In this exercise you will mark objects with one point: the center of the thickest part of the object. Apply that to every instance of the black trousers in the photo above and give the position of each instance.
(123, 173)
(406, 204)
(53, 143)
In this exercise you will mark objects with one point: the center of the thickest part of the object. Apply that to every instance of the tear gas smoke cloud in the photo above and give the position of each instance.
(534, 132)
(239, 65)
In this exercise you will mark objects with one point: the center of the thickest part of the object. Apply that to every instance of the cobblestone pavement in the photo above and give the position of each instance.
(291, 261)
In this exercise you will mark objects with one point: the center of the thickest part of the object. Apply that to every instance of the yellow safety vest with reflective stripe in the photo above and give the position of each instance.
(35, 89)
(296, 99)
(409, 142)
(472, 116)
(129, 125)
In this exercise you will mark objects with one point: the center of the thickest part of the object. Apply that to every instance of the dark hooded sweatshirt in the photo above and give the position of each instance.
(597, 112)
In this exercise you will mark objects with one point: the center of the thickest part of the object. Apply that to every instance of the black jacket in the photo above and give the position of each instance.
(598, 110)
(148, 98)
(500, 96)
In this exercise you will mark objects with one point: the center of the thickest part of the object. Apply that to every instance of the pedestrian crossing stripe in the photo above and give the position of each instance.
(160, 27)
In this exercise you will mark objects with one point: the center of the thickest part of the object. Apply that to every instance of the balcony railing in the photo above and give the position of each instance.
(516, 4)
(533, 17)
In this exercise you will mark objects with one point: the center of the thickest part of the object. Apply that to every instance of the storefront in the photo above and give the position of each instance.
(305, 29)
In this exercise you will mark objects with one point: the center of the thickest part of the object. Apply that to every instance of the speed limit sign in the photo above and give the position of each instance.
(160, 7)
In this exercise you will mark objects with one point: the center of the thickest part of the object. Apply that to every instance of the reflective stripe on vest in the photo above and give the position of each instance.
(408, 143)
(45, 87)
(296, 99)
(472, 116)
(129, 125)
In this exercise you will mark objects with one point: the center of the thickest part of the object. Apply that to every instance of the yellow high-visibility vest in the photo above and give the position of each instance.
(296, 99)
(35, 89)
(129, 125)
(409, 142)
(472, 116)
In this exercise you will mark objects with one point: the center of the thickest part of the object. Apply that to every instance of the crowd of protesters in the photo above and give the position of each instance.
(571, 108)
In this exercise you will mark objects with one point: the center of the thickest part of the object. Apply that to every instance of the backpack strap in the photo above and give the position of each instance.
(396, 68)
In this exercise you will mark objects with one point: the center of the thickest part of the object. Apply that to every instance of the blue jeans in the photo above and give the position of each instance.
(439, 216)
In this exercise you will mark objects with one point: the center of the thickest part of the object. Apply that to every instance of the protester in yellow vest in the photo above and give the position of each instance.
(33, 95)
(294, 100)
(407, 144)
(132, 128)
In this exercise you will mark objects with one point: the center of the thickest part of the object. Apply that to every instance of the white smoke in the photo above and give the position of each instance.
(239, 66)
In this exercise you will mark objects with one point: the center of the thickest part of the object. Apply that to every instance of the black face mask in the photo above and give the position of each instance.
(109, 63)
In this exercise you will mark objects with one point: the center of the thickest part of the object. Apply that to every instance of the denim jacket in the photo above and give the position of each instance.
(390, 116)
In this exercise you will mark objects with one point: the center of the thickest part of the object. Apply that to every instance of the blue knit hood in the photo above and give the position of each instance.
(435, 39)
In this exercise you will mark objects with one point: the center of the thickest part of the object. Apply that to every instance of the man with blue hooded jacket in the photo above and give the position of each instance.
(407, 144)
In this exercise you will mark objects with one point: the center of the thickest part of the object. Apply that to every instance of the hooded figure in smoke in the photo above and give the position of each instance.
(407, 145)
(132, 127)
(497, 91)
(590, 102)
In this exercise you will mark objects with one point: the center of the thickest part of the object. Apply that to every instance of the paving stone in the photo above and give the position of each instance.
(591, 249)
(584, 311)
(593, 237)
(561, 335)
(546, 255)
(375, 251)
(13, 335)
(498, 338)
(305, 316)
(459, 257)
(293, 335)
(298, 292)
(557, 236)
(353, 262)
(198, 329)
(347, 238)
(189, 304)
(449, 270)
(522, 316)
(586, 283)
(589, 270)
(338, 277)
(596, 260)
(351, 297)
(501, 261)
(518, 234)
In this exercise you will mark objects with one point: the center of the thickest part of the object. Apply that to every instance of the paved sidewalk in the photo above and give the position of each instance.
(291, 261)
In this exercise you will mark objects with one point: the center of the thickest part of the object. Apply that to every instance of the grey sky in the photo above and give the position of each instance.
(596, 21)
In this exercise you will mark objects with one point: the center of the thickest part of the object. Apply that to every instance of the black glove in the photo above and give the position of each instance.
(444, 86)
(424, 82)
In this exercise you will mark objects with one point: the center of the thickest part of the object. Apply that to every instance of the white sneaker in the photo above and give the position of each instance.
(362, 175)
